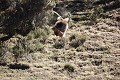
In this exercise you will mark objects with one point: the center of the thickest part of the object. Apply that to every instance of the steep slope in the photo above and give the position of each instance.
(90, 51)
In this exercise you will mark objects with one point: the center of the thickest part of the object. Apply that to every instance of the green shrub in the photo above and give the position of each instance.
(59, 44)
(35, 46)
(19, 49)
(41, 33)
(31, 43)
(107, 51)
(80, 49)
(69, 68)
(2, 51)
(6, 54)
(96, 14)
(77, 40)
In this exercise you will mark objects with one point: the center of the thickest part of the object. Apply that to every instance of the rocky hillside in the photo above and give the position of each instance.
(90, 50)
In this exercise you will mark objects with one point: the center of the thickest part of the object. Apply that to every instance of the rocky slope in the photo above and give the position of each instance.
(90, 51)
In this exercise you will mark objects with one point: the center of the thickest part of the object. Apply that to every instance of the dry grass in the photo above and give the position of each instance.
(77, 40)
(89, 52)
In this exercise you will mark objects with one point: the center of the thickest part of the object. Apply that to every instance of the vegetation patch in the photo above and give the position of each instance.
(69, 68)
(24, 45)
(80, 49)
(60, 44)
(97, 62)
(77, 40)
(3, 53)
(41, 33)
(107, 51)
(96, 14)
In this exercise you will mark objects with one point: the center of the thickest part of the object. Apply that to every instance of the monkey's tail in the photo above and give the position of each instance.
(57, 14)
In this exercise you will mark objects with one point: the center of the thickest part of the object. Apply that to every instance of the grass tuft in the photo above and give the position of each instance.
(77, 40)
(69, 68)
(60, 44)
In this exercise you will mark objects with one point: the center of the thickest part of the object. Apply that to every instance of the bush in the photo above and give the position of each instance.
(5, 55)
(96, 14)
(17, 16)
(77, 40)
(25, 47)
(34, 46)
(2, 50)
(59, 44)
(19, 49)
(41, 33)
(80, 49)
(69, 68)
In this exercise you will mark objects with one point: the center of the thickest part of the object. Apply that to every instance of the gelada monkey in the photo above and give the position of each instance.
(61, 26)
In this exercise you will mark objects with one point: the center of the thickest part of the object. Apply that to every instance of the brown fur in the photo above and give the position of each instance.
(57, 32)
(60, 27)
